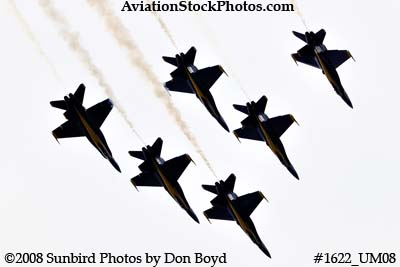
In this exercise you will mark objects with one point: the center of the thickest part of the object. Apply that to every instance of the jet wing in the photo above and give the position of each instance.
(337, 57)
(246, 204)
(308, 60)
(68, 129)
(306, 55)
(99, 112)
(280, 124)
(178, 85)
(205, 78)
(176, 166)
(248, 133)
(145, 179)
(218, 213)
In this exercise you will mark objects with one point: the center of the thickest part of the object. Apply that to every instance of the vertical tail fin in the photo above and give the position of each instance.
(190, 56)
(230, 183)
(80, 93)
(262, 103)
(157, 146)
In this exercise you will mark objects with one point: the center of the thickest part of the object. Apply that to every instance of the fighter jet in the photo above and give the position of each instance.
(85, 122)
(157, 172)
(317, 55)
(258, 126)
(228, 206)
(188, 79)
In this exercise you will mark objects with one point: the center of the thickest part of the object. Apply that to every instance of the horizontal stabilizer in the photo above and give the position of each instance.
(145, 166)
(300, 36)
(80, 93)
(241, 108)
(218, 213)
(218, 201)
(145, 179)
(137, 154)
(281, 123)
(205, 78)
(248, 133)
(337, 57)
(170, 60)
(210, 188)
(61, 104)
(98, 113)
(246, 204)
(179, 73)
(178, 85)
(248, 122)
(176, 166)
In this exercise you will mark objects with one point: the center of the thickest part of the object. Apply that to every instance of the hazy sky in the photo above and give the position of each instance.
(67, 198)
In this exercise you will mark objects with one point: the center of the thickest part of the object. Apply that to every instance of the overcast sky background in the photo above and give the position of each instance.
(67, 198)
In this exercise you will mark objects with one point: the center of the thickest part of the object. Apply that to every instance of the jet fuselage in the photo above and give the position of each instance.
(204, 96)
(171, 186)
(274, 142)
(76, 111)
(246, 224)
(326, 66)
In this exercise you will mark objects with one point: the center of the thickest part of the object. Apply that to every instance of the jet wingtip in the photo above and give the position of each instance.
(293, 118)
(237, 136)
(190, 159)
(55, 137)
(294, 58)
(134, 184)
(205, 215)
(263, 196)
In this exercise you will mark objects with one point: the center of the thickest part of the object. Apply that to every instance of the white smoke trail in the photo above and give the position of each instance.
(137, 59)
(164, 27)
(74, 43)
(225, 60)
(298, 11)
(27, 29)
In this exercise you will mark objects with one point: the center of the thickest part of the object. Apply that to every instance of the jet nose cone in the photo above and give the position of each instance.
(115, 164)
(264, 249)
(223, 124)
(193, 215)
(293, 171)
(348, 101)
